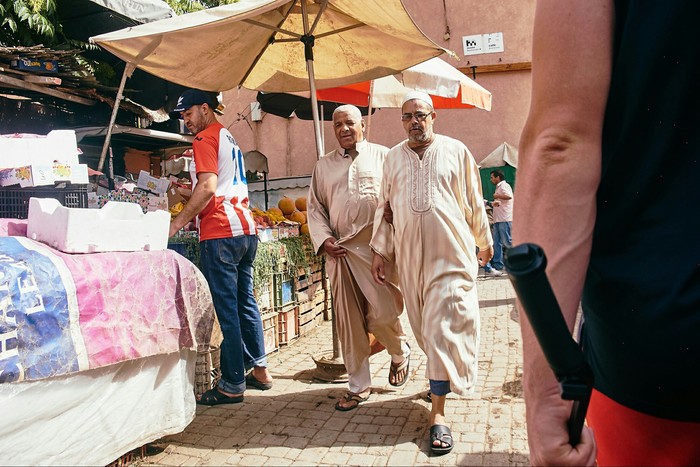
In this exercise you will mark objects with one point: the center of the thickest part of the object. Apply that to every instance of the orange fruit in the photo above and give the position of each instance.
(286, 205)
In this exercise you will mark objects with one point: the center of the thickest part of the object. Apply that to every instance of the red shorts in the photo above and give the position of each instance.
(628, 437)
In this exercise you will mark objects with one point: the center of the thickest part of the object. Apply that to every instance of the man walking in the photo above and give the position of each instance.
(502, 218)
(341, 206)
(228, 243)
(432, 185)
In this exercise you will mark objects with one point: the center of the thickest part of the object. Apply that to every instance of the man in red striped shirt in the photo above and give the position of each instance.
(228, 243)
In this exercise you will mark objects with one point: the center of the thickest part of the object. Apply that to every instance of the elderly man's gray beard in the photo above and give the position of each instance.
(421, 138)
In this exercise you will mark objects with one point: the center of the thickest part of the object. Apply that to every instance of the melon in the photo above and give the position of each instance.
(304, 229)
(286, 205)
(297, 216)
(300, 204)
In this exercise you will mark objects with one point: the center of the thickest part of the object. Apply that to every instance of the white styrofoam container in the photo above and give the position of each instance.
(117, 226)
(18, 150)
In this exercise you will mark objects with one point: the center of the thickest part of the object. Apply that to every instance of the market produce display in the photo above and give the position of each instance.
(269, 218)
(287, 210)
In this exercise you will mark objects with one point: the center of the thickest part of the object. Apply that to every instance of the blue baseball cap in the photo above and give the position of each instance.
(196, 97)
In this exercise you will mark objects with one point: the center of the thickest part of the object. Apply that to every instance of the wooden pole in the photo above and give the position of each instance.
(128, 71)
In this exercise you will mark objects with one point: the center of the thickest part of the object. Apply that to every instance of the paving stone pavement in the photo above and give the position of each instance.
(295, 423)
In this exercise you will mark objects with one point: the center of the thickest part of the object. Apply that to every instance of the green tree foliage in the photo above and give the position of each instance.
(187, 6)
(29, 22)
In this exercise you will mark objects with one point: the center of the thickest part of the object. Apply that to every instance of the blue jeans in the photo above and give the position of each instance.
(227, 264)
(501, 239)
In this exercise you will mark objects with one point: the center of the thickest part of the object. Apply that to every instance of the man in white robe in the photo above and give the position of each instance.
(341, 204)
(432, 187)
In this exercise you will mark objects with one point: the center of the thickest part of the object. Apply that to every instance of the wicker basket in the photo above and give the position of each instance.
(207, 370)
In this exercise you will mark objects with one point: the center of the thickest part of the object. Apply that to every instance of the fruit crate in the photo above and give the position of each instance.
(307, 318)
(270, 334)
(14, 200)
(306, 290)
(263, 295)
(287, 324)
(284, 291)
(207, 370)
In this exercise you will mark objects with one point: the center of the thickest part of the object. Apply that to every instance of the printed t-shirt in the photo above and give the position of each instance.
(227, 214)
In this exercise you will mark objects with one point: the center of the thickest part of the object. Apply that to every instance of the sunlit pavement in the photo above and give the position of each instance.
(295, 423)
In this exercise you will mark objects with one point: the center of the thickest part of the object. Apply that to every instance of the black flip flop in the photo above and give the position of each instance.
(444, 435)
(216, 397)
(252, 382)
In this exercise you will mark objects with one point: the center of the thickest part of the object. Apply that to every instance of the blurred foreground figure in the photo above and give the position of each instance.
(608, 178)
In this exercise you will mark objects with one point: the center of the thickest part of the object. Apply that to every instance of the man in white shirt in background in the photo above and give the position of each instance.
(502, 219)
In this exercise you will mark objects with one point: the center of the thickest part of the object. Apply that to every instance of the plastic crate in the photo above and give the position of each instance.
(14, 201)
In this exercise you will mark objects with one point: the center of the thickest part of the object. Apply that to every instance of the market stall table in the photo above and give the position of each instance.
(97, 351)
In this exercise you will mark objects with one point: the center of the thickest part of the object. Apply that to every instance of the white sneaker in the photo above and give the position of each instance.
(495, 272)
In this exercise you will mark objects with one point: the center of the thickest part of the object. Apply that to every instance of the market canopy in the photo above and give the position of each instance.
(270, 45)
(503, 158)
(448, 87)
(504, 154)
(260, 44)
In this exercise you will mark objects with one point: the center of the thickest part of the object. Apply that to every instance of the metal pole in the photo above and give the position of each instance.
(265, 187)
(308, 42)
(339, 372)
(128, 71)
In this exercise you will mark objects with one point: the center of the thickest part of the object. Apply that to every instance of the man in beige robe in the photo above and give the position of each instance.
(341, 204)
(438, 219)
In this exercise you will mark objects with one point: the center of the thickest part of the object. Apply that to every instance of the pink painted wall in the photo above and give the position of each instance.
(289, 143)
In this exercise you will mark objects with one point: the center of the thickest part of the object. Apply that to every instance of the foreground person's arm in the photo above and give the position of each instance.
(558, 175)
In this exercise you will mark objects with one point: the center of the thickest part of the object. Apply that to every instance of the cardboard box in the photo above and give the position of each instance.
(135, 162)
(173, 196)
(73, 173)
(33, 64)
(27, 176)
(148, 202)
(269, 234)
(288, 229)
(44, 175)
(153, 184)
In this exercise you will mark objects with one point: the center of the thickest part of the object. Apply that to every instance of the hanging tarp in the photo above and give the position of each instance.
(503, 158)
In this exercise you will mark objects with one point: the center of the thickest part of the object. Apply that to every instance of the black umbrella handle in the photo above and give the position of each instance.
(526, 265)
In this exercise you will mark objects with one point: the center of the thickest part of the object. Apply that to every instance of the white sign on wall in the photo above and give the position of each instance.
(483, 43)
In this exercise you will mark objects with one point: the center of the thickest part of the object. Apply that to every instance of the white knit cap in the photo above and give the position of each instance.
(417, 95)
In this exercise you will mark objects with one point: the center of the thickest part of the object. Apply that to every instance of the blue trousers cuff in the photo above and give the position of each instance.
(439, 388)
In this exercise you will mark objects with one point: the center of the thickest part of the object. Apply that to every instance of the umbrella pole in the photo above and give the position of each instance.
(308, 41)
(314, 108)
(331, 369)
(128, 71)
(369, 109)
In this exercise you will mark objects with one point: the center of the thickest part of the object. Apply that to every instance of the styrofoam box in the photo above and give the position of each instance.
(117, 226)
(19, 150)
